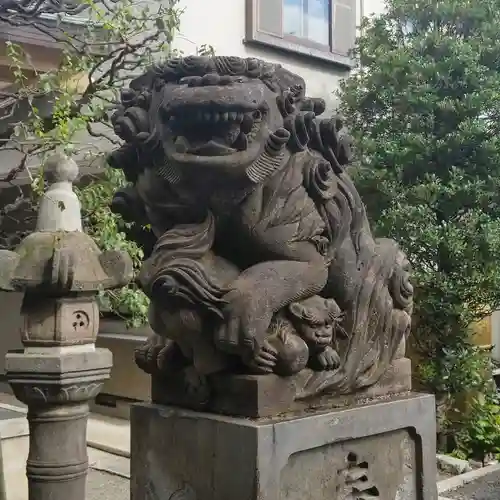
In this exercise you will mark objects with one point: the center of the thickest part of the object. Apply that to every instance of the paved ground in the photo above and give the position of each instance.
(108, 477)
(104, 486)
(486, 488)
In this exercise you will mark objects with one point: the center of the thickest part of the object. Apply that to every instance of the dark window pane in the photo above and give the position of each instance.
(308, 19)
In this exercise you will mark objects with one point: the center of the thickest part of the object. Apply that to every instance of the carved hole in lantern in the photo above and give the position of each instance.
(82, 320)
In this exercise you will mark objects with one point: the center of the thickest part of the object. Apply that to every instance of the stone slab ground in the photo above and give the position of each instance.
(487, 488)
(481, 484)
(102, 485)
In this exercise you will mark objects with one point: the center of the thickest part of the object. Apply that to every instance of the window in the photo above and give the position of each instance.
(307, 19)
(325, 29)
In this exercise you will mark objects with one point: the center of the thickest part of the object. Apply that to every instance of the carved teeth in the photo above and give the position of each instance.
(247, 123)
(215, 117)
(241, 142)
(235, 129)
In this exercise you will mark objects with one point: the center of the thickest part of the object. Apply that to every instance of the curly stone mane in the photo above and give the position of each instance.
(134, 121)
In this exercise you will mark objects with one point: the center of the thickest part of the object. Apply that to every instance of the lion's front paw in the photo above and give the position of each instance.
(158, 355)
(245, 324)
(264, 359)
(146, 354)
(326, 359)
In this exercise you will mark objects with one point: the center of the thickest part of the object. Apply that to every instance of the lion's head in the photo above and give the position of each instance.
(216, 111)
(220, 110)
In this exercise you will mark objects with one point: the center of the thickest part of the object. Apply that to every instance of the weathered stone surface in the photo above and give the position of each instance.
(48, 378)
(260, 256)
(57, 384)
(452, 465)
(59, 321)
(59, 208)
(256, 396)
(59, 258)
(383, 449)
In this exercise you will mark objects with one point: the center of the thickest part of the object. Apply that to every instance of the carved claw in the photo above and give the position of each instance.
(245, 325)
(158, 355)
(146, 354)
(326, 359)
(265, 359)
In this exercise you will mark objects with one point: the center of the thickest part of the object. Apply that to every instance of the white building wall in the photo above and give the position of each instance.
(221, 24)
(373, 7)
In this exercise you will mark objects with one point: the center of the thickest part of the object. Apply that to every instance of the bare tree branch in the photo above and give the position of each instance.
(102, 135)
(112, 56)
(12, 174)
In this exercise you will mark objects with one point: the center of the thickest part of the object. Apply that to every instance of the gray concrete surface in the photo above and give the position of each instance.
(274, 456)
(484, 488)
(468, 482)
(105, 486)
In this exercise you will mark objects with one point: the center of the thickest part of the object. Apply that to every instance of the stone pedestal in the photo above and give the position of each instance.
(255, 396)
(57, 388)
(383, 450)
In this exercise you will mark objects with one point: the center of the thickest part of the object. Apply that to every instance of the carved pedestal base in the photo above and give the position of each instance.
(57, 388)
(263, 396)
(381, 450)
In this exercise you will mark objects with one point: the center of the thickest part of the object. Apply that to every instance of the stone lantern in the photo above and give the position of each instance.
(60, 270)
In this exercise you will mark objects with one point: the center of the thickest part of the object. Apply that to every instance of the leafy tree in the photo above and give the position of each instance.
(424, 107)
(117, 39)
(478, 436)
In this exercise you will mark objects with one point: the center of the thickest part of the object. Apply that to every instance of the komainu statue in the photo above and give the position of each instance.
(260, 264)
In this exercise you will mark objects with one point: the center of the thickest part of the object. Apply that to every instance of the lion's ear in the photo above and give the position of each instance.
(334, 311)
(296, 309)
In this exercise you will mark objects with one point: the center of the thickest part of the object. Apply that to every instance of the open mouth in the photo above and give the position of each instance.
(209, 131)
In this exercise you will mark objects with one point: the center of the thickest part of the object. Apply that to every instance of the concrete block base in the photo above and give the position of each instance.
(14, 442)
(383, 450)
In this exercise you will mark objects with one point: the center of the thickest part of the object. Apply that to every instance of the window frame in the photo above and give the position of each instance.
(293, 44)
